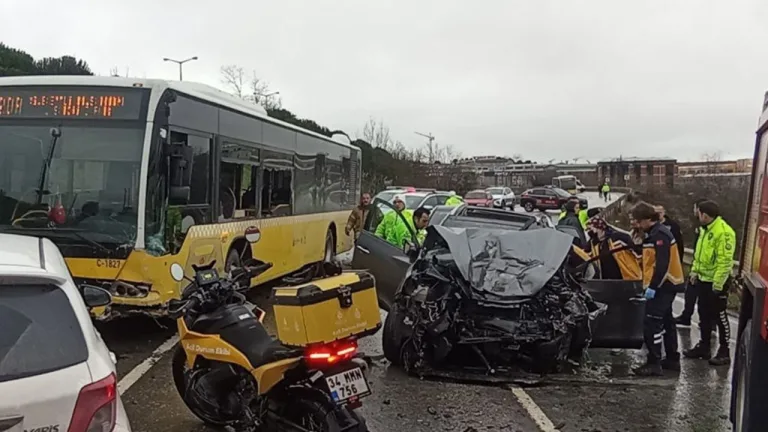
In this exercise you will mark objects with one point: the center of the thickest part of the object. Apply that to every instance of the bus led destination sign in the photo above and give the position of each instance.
(79, 102)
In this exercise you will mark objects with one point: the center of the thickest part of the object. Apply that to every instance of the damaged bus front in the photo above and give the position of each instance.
(129, 177)
(71, 171)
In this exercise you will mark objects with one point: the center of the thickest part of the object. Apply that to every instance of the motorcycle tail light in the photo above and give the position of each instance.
(327, 355)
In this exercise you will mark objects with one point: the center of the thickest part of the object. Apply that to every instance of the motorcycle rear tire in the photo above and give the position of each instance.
(177, 368)
(304, 409)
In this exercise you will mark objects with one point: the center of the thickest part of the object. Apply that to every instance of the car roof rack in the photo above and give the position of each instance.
(425, 190)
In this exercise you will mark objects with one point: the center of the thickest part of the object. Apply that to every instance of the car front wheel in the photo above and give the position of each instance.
(528, 206)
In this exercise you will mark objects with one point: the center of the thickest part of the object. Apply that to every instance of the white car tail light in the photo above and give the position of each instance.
(96, 407)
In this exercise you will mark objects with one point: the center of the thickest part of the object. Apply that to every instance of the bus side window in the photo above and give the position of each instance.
(277, 192)
(237, 190)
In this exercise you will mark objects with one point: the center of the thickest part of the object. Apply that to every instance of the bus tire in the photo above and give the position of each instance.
(329, 251)
(743, 363)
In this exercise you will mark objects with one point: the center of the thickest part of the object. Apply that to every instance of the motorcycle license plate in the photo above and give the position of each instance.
(348, 384)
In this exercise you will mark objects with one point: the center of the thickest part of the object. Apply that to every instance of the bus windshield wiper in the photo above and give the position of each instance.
(55, 135)
(90, 241)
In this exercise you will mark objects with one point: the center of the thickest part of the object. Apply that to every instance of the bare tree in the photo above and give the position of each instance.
(233, 77)
(262, 94)
(254, 89)
(376, 133)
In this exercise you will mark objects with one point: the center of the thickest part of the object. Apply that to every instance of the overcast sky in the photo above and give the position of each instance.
(541, 78)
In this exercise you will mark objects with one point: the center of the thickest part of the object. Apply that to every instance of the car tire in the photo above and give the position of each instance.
(503, 204)
(529, 207)
(742, 364)
(391, 338)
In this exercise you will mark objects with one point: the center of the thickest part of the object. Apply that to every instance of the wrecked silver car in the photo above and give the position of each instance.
(405, 277)
(491, 300)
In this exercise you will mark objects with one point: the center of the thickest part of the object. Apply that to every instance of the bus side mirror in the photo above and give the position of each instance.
(180, 158)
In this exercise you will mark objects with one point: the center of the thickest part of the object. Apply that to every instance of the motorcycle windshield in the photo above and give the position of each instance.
(502, 266)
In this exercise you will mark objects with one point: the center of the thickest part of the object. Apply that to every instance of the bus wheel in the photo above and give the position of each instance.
(330, 247)
(233, 260)
(743, 363)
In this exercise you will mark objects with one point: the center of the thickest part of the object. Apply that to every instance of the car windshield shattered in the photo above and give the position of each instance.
(491, 301)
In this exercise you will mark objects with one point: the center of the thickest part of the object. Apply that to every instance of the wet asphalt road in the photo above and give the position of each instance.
(600, 397)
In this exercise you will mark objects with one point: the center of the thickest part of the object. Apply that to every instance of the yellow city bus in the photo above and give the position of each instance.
(130, 176)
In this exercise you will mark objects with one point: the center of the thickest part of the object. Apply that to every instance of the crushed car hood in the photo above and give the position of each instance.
(504, 266)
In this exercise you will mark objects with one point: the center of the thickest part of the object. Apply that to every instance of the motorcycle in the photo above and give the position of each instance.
(230, 372)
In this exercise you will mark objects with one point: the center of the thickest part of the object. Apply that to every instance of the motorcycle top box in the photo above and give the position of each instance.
(327, 309)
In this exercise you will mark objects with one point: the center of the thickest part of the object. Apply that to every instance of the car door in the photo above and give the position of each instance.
(622, 324)
(386, 262)
(550, 199)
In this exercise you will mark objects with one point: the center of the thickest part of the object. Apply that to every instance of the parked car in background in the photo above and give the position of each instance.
(416, 197)
(56, 373)
(547, 198)
(479, 198)
(503, 197)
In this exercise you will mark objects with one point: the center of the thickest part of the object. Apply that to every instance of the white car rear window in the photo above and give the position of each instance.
(39, 331)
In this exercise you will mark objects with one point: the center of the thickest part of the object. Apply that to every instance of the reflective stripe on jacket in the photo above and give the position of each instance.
(713, 256)
(661, 261)
(621, 249)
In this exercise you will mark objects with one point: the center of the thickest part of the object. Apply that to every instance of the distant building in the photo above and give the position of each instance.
(714, 167)
(635, 171)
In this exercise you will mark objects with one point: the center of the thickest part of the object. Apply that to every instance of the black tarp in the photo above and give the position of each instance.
(505, 266)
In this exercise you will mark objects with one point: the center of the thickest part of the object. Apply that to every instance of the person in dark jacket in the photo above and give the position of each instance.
(662, 279)
(674, 228)
(571, 218)
(691, 290)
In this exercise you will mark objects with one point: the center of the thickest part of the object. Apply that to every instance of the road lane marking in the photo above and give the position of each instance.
(136, 373)
(533, 410)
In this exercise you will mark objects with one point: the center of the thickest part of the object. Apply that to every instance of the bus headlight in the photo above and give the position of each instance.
(177, 272)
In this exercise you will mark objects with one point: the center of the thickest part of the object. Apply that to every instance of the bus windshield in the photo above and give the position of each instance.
(90, 189)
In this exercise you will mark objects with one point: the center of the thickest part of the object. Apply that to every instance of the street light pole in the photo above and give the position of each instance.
(265, 96)
(180, 63)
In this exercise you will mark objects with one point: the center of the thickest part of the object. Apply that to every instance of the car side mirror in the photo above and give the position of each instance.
(95, 296)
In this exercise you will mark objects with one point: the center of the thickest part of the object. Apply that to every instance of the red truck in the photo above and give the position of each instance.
(749, 389)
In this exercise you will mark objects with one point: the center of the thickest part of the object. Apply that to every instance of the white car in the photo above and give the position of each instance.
(56, 373)
(503, 197)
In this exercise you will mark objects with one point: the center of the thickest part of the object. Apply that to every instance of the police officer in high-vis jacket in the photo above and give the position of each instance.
(712, 265)
(454, 200)
(662, 279)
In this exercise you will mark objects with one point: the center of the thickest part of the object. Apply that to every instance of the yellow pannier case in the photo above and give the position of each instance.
(326, 310)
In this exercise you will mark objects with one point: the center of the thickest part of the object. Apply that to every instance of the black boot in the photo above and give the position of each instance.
(722, 358)
(698, 352)
(648, 370)
(682, 321)
(671, 364)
